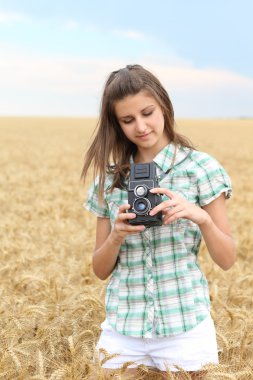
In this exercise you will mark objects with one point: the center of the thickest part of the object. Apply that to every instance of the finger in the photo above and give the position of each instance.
(163, 206)
(123, 212)
(162, 190)
(174, 217)
(124, 207)
(126, 215)
(174, 210)
(137, 229)
(128, 228)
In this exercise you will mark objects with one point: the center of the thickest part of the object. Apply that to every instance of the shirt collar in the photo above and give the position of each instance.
(164, 159)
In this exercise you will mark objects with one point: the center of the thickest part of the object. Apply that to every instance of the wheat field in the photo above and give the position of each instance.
(51, 303)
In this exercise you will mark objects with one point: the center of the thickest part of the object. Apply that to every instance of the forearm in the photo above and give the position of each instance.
(105, 257)
(221, 246)
(109, 240)
(211, 219)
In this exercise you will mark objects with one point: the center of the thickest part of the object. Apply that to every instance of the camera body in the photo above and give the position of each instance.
(142, 179)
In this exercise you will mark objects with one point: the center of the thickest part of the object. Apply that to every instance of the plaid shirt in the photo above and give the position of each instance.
(157, 287)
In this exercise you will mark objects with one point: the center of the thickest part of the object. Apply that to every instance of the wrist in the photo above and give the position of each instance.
(206, 220)
(115, 239)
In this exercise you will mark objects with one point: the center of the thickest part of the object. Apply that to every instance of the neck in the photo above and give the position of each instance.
(143, 156)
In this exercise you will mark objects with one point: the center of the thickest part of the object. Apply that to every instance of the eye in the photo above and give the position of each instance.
(149, 113)
(127, 121)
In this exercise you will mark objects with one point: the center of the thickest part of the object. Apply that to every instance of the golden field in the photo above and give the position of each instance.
(51, 303)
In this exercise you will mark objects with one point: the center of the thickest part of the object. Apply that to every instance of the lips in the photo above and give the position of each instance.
(144, 137)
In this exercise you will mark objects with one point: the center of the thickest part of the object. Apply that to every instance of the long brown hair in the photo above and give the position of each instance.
(110, 145)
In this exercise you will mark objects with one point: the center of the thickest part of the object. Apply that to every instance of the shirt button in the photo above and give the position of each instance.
(148, 334)
(151, 315)
(149, 261)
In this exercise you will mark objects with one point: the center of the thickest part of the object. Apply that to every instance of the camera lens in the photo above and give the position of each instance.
(141, 191)
(141, 206)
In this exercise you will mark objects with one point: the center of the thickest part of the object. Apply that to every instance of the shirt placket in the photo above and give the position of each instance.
(148, 325)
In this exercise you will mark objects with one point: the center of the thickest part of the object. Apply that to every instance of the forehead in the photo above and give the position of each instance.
(134, 103)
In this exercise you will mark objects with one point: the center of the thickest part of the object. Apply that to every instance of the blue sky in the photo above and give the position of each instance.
(55, 55)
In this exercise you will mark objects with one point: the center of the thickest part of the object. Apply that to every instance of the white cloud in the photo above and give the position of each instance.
(10, 17)
(33, 84)
(208, 78)
(130, 34)
(59, 75)
(72, 25)
(207, 92)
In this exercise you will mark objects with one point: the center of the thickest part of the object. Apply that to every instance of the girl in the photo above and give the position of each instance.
(157, 300)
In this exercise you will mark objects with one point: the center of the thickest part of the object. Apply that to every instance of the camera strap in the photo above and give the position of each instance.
(163, 175)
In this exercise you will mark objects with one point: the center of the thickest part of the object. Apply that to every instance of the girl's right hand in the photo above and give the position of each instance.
(121, 226)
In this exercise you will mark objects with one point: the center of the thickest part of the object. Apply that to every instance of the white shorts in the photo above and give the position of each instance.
(190, 350)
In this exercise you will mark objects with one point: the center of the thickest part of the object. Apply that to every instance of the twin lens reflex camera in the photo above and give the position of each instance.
(142, 179)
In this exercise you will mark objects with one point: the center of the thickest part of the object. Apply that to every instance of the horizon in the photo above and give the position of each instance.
(96, 117)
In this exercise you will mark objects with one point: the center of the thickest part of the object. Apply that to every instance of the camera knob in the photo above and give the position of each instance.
(141, 191)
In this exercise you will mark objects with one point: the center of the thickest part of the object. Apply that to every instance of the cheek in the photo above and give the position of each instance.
(162, 120)
(158, 119)
(162, 123)
(127, 132)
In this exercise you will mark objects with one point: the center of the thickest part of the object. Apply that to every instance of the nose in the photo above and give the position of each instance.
(140, 126)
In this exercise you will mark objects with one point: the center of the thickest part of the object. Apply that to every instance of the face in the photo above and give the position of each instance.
(142, 121)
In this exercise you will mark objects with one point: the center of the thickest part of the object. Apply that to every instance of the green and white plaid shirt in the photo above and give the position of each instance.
(157, 287)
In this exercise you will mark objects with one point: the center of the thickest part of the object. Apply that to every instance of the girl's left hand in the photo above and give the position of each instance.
(177, 207)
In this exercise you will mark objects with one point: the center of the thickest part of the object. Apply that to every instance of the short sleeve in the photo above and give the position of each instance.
(93, 204)
(213, 180)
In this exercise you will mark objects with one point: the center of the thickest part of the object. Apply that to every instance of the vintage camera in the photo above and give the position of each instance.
(142, 179)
